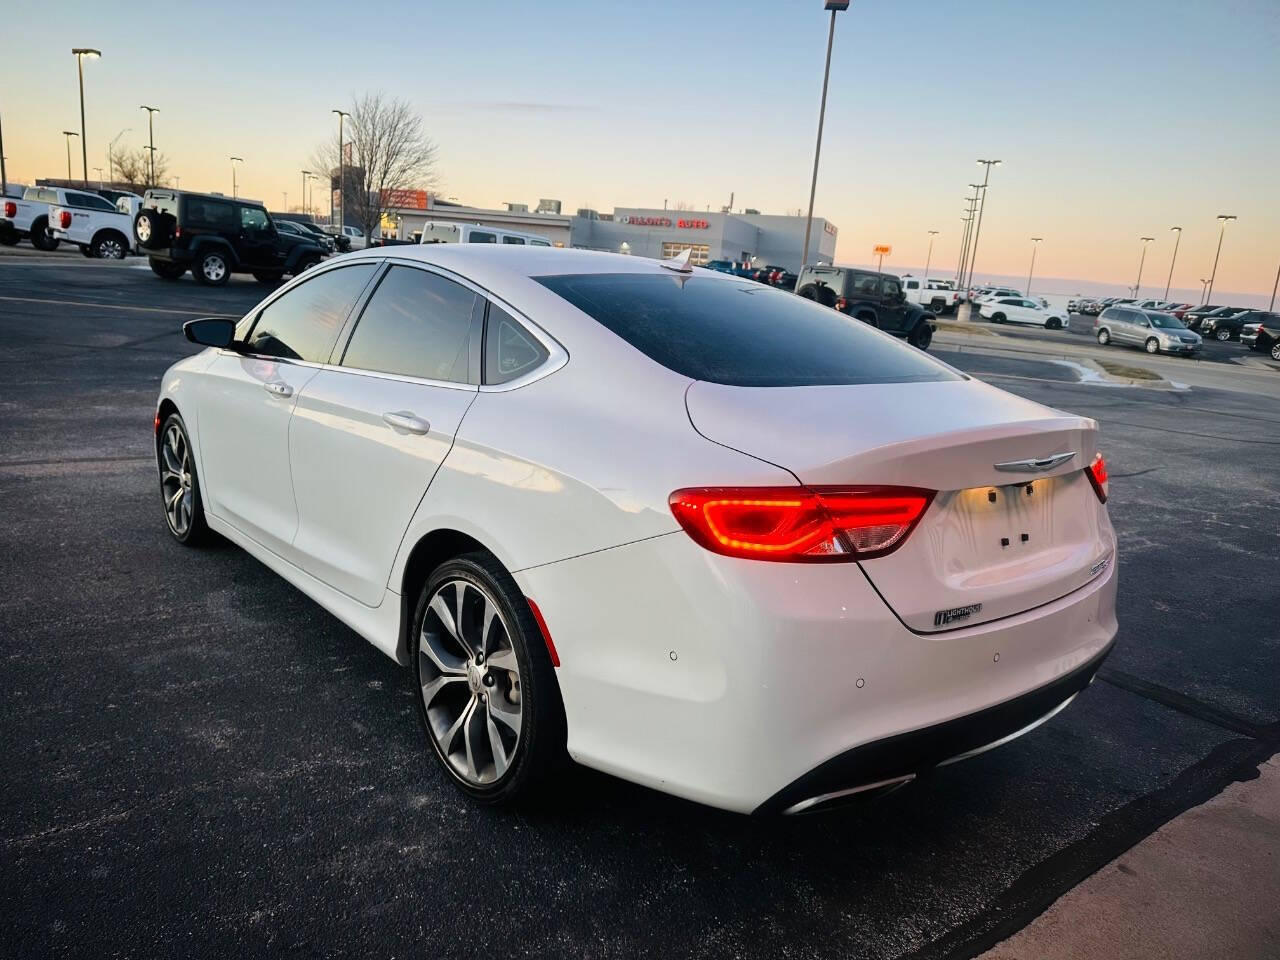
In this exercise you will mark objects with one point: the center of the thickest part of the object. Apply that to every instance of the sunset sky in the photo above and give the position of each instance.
(1114, 119)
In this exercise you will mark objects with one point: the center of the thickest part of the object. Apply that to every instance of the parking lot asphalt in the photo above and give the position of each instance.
(200, 761)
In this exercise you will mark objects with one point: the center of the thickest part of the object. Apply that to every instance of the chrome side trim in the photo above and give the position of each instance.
(1015, 735)
(1034, 465)
(804, 805)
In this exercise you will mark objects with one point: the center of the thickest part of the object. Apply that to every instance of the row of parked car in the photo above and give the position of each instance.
(102, 222)
(770, 274)
(1256, 329)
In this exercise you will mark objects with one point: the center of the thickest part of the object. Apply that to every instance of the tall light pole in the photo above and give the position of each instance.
(1203, 299)
(967, 219)
(977, 232)
(80, 53)
(968, 233)
(234, 161)
(341, 197)
(1035, 245)
(151, 138)
(4, 176)
(929, 259)
(69, 134)
(1176, 240)
(1224, 219)
(305, 174)
(835, 6)
(1273, 290)
(98, 171)
(1138, 286)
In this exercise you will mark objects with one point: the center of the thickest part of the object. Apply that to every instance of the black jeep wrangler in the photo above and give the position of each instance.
(215, 237)
(875, 298)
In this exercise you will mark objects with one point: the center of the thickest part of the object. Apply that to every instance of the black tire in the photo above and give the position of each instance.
(1152, 345)
(212, 268)
(267, 276)
(40, 238)
(1104, 336)
(921, 336)
(85, 250)
(1275, 350)
(170, 462)
(151, 228)
(540, 748)
(1053, 324)
(1222, 336)
(110, 245)
(165, 269)
(997, 318)
(305, 263)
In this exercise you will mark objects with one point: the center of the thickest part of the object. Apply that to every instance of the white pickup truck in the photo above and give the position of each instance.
(940, 296)
(27, 218)
(92, 223)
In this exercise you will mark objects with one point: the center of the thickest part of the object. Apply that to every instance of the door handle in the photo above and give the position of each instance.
(279, 388)
(406, 421)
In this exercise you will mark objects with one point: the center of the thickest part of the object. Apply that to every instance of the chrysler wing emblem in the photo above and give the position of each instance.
(1035, 465)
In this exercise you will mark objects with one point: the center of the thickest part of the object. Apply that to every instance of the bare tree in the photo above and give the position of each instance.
(682, 205)
(134, 168)
(387, 151)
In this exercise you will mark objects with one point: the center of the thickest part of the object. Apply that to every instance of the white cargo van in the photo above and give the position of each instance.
(434, 231)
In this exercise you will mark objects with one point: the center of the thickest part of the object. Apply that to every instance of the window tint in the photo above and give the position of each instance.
(253, 218)
(1027, 303)
(890, 289)
(510, 351)
(1009, 303)
(741, 333)
(913, 285)
(539, 243)
(211, 214)
(303, 323)
(864, 285)
(519, 240)
(87, 201)
(478, 237)
(416, 324)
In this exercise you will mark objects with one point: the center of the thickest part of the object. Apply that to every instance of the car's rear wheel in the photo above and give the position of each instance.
(179, 485)
(212, 268)
(487, 694)
(305, 264)
(165, 269)
(40, 238)
(997, 318)
(1222, 335)
(1104, 337)
(109, 246)
(1275, 350)
(1152, 345)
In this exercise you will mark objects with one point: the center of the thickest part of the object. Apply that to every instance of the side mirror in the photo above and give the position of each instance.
(211, 331)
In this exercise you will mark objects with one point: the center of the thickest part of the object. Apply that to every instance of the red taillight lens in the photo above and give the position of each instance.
(64, 219)
(1097, 473)
(800, 524)
(841, 303)
(10, 209)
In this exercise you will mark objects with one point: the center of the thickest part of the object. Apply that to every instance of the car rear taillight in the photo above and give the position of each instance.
(800, 524)
(841, 303)
(1098, 478)
(10, 209)
(64, 219)
(177, 232)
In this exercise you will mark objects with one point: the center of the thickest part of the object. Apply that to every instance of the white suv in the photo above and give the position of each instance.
(1022, 310)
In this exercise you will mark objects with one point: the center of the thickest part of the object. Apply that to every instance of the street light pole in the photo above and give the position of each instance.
(929, 259)
(966, 220)
(80, 53)
(1138, 286)
(234, 161)
(1203, 299)
(1224, 219)
(1176, 240)
(151, 138)
(1035, 245)
(341, 183)
(835, 6)
(977, 233)
(1273, 290)
(69, 134)
(305, 174)
(968, 233)
(98, 171)
(4, 176)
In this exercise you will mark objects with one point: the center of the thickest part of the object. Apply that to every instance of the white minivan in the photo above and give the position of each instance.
(434, 231)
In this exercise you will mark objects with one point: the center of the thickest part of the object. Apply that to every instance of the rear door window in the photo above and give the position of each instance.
(479, 236)
(211, 214)
(416, 324)
(304, 322)
(510, 239)
(741, 333)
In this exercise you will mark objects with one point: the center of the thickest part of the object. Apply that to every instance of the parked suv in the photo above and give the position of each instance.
(216, 236)
(876, 298)
(1152, 330)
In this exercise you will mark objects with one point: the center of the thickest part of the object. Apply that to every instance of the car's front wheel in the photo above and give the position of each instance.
(179, 484)
(109, 246)
(212, 268)
(165, 269)
(486, 689)
(1275, 350)
(921, 336)
(997, 318)
(1222, 335)
(1054, 324)
(1152, 345)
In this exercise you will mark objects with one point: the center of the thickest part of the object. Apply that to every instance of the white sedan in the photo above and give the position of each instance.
(1022, 310)
(679, 526)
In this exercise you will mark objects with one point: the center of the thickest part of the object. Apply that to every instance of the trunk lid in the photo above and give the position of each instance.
(1008, 537)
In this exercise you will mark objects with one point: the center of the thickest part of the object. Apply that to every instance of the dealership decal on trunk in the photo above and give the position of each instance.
(943, 617)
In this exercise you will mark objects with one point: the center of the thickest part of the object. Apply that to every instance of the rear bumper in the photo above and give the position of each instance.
(729, 681)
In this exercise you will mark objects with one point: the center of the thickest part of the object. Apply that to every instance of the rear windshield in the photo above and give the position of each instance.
(741, 333)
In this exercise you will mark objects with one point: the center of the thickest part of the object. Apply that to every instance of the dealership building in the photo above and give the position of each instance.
(762, 238)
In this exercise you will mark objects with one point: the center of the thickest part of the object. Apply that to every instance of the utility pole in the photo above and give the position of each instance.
(977, 232)
(4, 176)
(968, 234)
(342, 199)
(69, 134)
(1035, 245)
(151, 138)
(80, 53)
(835, 6)
(1273, 290)
(234, 161)
(1138, 286)
(305, 174)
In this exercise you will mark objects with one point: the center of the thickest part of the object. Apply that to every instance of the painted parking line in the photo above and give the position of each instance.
(105, 306)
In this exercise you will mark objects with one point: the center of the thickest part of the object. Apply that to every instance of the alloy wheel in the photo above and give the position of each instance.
(214, 268)
(111, 250)
(469, 680)
(1222, 334)
(175, 480)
